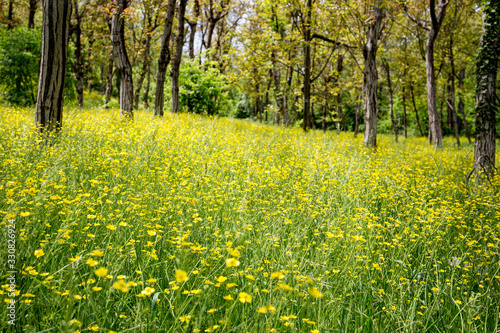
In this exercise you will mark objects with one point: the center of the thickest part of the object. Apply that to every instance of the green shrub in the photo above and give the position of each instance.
(202, 88)
(19, 65)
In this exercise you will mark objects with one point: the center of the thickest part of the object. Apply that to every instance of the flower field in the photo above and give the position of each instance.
(193, 224)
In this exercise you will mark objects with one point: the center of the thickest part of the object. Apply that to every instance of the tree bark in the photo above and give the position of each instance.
(88, 66)
(451, 96)
(176, 61)
(416, 110)
(109, 82)
(164, 59)
(146, 92)
(461, 109)
(391, 98)
(486, 97)
(55, 37)
(405, 119)
(31, 13)
(435, 130)
(121, 59)
(193, 26)
(370, 76)
(340, 114)
(77, 28)
(10, 15)
(145, 65)
(358, 112)
(307, 65)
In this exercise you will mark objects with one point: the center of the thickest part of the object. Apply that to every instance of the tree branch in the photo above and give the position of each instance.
(334, 42)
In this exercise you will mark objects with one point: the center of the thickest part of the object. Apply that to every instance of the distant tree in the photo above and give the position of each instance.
(176, 61)
(55, 35)
(164, 59)
(487, 101)
(121, 58)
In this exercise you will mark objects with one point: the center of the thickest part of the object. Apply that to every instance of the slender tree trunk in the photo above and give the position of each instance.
(89, 66)
(307, 65)
(487, 101)
(435, 130)
(391, 98)
(146, 92)
(451, 103)
(10, 15)
(145, 65)
(340, 114)
(461, 109)
(55, 37)
(121, 59)
(325, 106)
(176, 61)
(109, 82)
(416, 110)
(192, 26)
(358, 113)
(31, 13)
(78, 55)
(103, 76)
(405, 119)
(164, 59)
(370, 76)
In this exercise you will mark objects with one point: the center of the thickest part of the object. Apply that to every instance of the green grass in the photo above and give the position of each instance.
(305, 215)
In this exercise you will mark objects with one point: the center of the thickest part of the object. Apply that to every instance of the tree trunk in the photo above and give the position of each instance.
(31, 14)
(307, 65)
(435, 130)
(145, 65)
(88, 66)
(416, 110)
(78, 55)
(103, 75)
(391, 98)
(405, 119)
(451, 95)
(340, 114)
(370, 76)
(146, 92)
(461, 77)
(121, 59)
(55, 36)
(325, 106)
(176, 61)
(192, 26)
(10, 15)
(109, 83)
(486, 97)
(164, 59)
(358, 112)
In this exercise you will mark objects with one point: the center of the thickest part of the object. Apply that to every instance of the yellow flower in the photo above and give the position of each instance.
(185, 318)
(278, 275)
(91, 262)
(74, 321)
(180, 276)
(121, 285)
(212, 310)
(262, 309)
(111, 227)
(314, 292)
(221, 279)
(250, 277)
(101, 272)
(151, 281)
(458, 302)
(24, 214)
(74, 259)
(230, 285)
(234, 253)
(232, 262)
(39, 253)
(97, 253)
(244, 297)
(228, 298)
(94, 328)
(96, 288)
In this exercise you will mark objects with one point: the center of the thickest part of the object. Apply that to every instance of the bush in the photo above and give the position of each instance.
(20, 55)
(19, 65)
(202, 88)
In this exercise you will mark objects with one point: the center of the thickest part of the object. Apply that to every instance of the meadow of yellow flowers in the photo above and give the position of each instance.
(192, 224)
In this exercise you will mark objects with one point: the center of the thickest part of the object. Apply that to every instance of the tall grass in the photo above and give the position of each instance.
(277, 230)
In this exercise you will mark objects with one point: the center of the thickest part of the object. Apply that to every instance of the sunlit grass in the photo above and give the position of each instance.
(242, 227)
